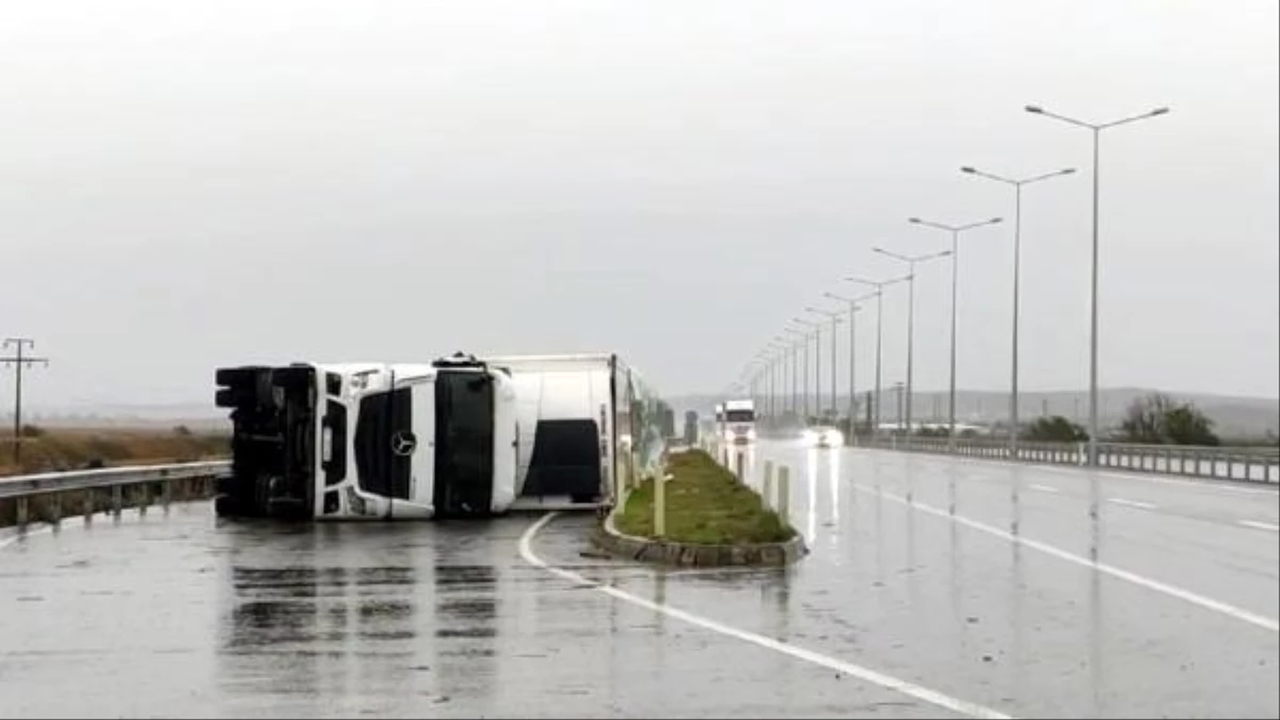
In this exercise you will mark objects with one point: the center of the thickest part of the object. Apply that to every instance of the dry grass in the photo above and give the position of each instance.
(71, 448)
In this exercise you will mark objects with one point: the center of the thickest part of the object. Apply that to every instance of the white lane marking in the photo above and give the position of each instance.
(932, 697)
(1133, 503)
(1261, 621)
(1260, 525)
(1044, 488)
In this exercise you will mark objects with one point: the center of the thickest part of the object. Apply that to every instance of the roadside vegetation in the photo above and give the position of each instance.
(705, 504)
(47, 450)
(1159, 420)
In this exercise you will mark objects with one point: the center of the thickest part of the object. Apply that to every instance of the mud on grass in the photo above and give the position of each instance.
(705, 504)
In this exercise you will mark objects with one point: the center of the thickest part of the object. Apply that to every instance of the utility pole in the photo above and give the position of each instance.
(17, 360)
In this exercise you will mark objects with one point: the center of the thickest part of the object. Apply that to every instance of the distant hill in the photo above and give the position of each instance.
(1232, 416)
(194, 416)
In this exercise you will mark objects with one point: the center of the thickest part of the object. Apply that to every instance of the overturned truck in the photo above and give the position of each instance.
(458, 437)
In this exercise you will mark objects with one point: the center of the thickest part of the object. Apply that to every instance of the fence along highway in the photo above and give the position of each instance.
(936, 586)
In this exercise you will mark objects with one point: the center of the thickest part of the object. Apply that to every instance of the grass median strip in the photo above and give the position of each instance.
(705, 504)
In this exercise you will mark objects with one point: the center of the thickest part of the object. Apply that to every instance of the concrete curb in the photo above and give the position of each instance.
(608, 538)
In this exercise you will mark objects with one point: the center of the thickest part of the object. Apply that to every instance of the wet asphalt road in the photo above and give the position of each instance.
(994, 606)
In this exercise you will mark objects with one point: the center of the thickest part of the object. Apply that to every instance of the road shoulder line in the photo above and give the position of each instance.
(918, 692)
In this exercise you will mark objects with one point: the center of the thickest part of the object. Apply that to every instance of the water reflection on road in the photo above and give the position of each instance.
(446, 619)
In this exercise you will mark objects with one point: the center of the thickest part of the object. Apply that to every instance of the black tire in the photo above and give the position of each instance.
(228, 506)
(292, 378)
(237, 376)
(233, 397)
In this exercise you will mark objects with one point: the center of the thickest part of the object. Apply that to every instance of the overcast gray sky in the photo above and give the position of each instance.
(185, 185)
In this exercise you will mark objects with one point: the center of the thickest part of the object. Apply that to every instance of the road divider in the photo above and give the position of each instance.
(698, 513)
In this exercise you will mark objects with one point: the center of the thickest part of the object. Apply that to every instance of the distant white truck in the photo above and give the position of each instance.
(739, 422)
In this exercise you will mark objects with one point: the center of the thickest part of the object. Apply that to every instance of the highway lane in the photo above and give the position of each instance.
(969, 612)
(183, 615)
(241, 619)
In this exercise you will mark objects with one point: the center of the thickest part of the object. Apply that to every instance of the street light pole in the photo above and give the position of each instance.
(854, 307)
(911, 262)
(835, 320)
(879, 296)
(1017, 263)
(955, 231)
(802, 389)
(1097, 129)
(817, 363)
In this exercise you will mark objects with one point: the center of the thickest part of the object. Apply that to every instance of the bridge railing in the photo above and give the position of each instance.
(1251, 464)
(45, 496)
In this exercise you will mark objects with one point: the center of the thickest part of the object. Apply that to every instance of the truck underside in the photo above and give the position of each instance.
(273, 411)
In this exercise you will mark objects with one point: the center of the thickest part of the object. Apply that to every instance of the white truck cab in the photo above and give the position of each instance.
(370, 440)
(739, 421)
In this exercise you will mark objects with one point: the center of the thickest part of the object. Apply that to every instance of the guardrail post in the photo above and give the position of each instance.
(117, 501)
(22, 511)
(660, 505)
(55, 509)
(89, 496)
(738, 465)
(166, 496)
(766, 490)
(784, 493)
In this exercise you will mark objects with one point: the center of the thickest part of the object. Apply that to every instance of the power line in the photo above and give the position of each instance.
(18, 360)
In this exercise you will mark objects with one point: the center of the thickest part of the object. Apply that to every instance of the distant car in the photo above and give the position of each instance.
(823, 436)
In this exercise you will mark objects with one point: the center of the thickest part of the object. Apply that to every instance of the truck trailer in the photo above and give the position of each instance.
(594, 423)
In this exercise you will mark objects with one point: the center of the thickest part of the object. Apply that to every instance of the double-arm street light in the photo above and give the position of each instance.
(802, 387)
(1017, 184)
(1097, 129)
(955, 231)
(764, 379)
(834, 317)
(854, 307)
(879, 296)
(787, 345)
(777, 376)
(911, 262)
(816, 327)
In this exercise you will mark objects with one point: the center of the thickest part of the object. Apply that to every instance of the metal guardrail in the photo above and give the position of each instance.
(1242, 464)
(22, 489)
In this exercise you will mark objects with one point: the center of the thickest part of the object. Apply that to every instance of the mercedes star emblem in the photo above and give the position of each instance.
(403, 443)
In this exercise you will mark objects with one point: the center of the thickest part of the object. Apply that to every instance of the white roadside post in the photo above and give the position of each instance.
(660, 505)
(766, 491)
(784, 493)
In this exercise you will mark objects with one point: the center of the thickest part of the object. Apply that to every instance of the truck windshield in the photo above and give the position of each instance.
(740, 416)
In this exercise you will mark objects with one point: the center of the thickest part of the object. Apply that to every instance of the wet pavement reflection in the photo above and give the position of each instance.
(185, 615)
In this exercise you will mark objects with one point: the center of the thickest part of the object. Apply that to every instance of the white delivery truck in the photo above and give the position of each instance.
(588, 424)
(739, 421)
(369, 440)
